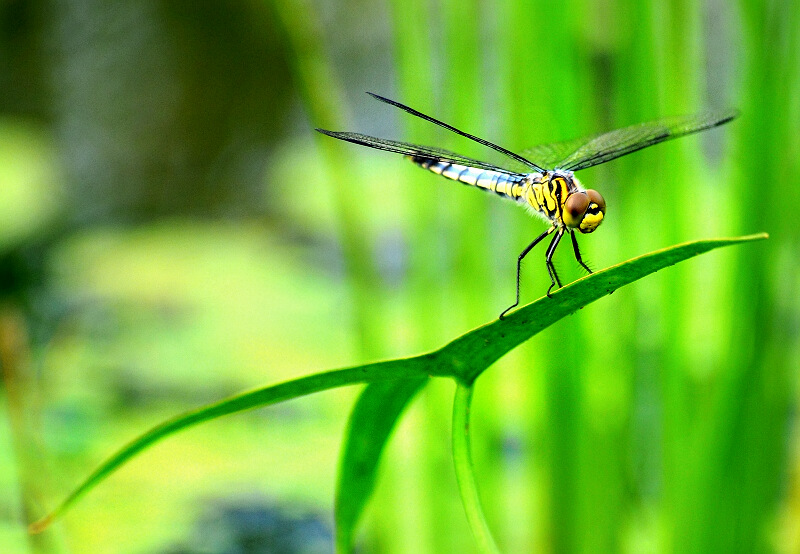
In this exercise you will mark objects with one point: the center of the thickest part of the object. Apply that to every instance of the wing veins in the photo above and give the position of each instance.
(479, 140)
(613, 144)
(414, 150)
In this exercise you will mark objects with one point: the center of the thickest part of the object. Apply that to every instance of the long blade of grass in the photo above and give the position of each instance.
(470, 354)
(412, 368)
(371, 422)
(473, 352)
(463, 359)
(465, 473)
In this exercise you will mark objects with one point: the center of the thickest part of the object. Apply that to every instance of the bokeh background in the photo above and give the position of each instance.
(172, 231)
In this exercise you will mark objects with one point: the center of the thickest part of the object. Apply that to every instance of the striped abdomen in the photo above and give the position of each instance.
(543, 193)
(503, 184)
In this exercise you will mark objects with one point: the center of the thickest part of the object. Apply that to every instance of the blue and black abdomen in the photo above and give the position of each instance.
(503, 184)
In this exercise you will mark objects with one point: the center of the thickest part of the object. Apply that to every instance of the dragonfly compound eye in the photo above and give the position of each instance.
(574, 209)
(594, 213)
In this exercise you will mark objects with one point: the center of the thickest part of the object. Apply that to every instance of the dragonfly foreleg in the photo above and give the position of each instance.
(551, 269)
(524, 253)
(578, 252)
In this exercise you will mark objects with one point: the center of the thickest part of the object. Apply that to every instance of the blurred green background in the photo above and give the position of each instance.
(172, 231)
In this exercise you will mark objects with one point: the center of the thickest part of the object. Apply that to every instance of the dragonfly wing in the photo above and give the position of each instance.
(520, 160)
(408, 149)
(608, 146)
(550, 155)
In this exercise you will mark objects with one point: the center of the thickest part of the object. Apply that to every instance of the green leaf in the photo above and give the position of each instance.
(371, 422)
(463, 359)
(465, 471)
(380, 371)
(470, 354)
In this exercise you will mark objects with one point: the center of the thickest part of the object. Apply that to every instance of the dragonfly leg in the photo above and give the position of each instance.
(524, 253)
(551, 269)
(578, 252)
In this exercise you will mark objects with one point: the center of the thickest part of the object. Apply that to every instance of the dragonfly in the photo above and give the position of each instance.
(542, 178)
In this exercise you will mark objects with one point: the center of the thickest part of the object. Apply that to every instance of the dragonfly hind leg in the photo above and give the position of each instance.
(524, 253)
(578, 252)
(551, 269)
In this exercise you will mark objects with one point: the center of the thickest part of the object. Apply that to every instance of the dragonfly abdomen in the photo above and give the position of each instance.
(502, 184)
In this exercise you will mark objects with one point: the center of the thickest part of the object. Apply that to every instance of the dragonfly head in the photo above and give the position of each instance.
(584, 210)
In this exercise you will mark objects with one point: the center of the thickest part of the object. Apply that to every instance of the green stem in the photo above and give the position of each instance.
(465, 473)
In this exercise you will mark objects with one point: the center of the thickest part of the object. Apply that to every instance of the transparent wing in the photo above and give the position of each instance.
(550, 155)
(546, 156)
(598, 149)
(408, 149)
(520, 160)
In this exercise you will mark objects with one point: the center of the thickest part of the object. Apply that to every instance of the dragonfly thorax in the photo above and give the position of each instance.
(560, 198)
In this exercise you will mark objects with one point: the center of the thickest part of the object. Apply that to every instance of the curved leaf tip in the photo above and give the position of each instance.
(476, 350)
